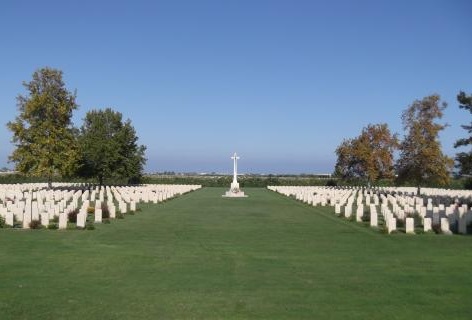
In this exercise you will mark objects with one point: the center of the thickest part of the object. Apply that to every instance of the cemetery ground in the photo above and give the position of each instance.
(202, 256)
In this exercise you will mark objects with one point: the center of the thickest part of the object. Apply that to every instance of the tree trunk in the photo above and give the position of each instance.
(49, 182)
(100, 180)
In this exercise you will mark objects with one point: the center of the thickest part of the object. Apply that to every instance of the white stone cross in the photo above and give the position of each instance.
(234, 191)
(235, 167)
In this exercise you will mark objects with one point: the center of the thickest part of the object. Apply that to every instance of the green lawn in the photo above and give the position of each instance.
(201, 256)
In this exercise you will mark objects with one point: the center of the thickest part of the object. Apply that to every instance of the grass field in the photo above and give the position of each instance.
(201, 256)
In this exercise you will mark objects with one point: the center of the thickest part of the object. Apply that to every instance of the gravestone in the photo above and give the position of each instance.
(123, 207)
(81, 218)
(373, 217)
(34, 211)
(44, 219)
(410, 225)
(98, 211)
(63, 220)
(9, 218)
(112, 210)
(337, 208)
(392, 224)
(359, 212)
(348, 211)
(445, 226)
(26, 218)
(427, 224)
(462, 221)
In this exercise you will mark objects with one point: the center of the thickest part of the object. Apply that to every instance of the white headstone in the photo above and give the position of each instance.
(373, 217)
(337, 208)
(123, 207)
(26, 219)
(359, 212)
(410, 225)
(392, 224)
(348, 211)
(112, 210)
(427, 224)
(34, 211)
(9, 218)
(81, 218)
(98, 215)
(445, 226)
(62, 220)
(44, 219)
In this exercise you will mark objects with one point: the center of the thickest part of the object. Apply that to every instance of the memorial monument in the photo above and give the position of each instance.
(234, 190)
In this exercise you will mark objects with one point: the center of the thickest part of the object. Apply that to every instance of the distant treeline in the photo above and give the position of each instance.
(272, 180)
(250, 181)
(244, 181)
(205, 181)
(14, 178)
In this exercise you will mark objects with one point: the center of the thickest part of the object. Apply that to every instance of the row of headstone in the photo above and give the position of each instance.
(392, 204)
(27, 202)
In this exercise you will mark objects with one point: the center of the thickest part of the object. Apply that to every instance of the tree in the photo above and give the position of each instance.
(43, 132)
(369, 156)
(346, 164)
(464, 159)
(109, 147)
(421, 159)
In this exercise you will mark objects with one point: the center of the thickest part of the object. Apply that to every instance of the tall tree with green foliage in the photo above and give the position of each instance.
(369, 156)
(109, 147)
(464, 159)
(43, 132)
(421, 159)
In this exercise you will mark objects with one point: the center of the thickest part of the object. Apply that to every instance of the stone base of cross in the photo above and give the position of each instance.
(234, 187)
(234, 193)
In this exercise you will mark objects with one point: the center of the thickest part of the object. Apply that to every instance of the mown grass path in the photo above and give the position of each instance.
(201, 256)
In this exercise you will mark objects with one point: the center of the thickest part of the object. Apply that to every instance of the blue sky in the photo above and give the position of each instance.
(280, 82)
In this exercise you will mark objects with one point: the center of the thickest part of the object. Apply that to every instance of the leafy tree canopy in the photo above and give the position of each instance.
(42, 132)
(464, 159)
(421, 159)
(109, 147)
(369, 156)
